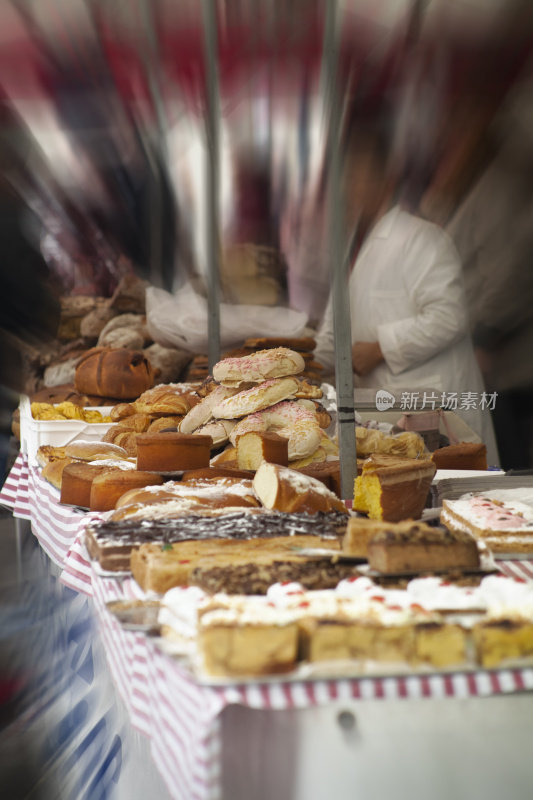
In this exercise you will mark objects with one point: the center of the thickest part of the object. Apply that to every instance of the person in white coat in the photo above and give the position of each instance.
(409, 323)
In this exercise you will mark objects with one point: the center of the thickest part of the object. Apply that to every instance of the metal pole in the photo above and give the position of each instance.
(339, 264)
(212, 183)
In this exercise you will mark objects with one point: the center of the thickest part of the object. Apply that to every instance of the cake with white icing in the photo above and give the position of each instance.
(502, 518)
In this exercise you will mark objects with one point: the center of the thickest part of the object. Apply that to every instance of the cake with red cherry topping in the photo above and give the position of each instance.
(502, 518)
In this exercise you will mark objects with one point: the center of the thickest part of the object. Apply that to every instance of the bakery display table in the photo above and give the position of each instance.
(463, 734)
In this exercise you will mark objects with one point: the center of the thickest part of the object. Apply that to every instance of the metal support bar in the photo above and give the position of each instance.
(212, 183)
(339, 265)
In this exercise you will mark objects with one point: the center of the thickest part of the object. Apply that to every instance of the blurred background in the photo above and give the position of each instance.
(139, 137)
(108, 147)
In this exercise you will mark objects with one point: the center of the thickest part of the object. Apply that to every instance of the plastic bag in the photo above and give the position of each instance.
(180, 320)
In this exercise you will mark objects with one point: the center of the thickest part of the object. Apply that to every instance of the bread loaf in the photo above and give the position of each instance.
(286, 490)
(119, 373)
(94, 451)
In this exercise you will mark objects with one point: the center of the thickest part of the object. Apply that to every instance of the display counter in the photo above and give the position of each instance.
(286, 737)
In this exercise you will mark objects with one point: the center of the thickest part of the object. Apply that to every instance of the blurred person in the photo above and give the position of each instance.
(408, 311)
(493, 232)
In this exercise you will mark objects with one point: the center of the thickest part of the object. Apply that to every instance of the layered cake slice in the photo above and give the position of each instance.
(392, 488)
(112, 542)
(250, 637)
(418, 547)
(506, 632)
(502, 518)
(245, 566)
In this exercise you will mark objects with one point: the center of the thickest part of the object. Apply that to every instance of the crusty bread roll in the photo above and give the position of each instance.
(284, 489)
(170, 452)
(256, 399)
(106, 488)
(261, 366)
(119, 373)
(94, 451)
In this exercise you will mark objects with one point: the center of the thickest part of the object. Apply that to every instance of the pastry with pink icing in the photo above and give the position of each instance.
(289, 419)
(502, 518)
(277, 362)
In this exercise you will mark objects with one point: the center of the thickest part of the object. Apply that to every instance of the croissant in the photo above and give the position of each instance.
(164, 400)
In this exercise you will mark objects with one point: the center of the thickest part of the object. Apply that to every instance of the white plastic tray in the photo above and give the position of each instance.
(56, 432)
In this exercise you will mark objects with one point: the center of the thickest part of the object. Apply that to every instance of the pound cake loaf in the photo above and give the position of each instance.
(172, 452)
(418, 547)
(502, 518)
(465, 455)
(77, 478)
(392, 488)
(107, 488)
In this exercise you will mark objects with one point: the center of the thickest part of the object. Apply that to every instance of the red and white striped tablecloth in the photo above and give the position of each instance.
(179, 714)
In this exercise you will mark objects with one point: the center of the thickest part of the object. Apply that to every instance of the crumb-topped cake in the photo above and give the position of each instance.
(502, 518)
(418, 547)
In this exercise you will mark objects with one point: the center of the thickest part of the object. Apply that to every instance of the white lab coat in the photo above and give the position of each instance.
(406, 293)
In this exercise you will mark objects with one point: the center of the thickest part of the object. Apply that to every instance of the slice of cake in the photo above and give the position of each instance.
(240, 575)
(419, 547)
(255, 447)
(392, 488)
(499, 640)
(245, 566)
(502, 518)
(360, 530)
(111, 542)
(246, 639)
